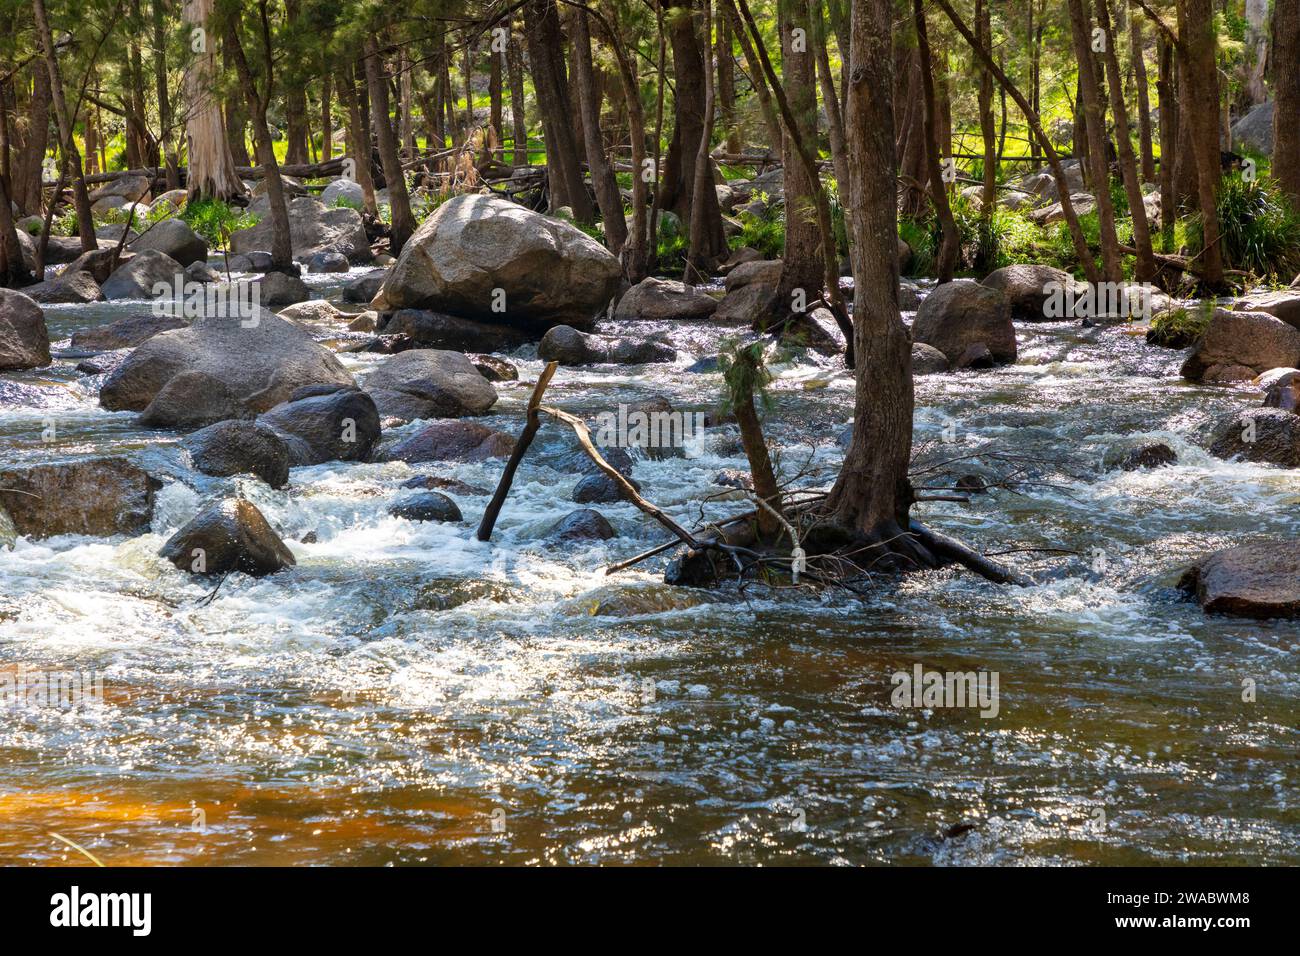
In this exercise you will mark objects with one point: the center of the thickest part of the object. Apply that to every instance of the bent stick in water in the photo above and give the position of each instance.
(521, 448)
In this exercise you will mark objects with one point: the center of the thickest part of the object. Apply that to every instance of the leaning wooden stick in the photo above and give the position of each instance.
(521, 448)
(630, 493)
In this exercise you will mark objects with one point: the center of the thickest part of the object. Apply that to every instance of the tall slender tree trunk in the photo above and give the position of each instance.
(1145, 268)
(608, 196)
(950, 243)
(1098, 163)
(399, 201)
(727, 87)
(872, 496)
(1286, 92)
(496, 108)
(281, 237)
(28, 162)
(210, 172)
(326, 116)
(1137, 55)
(1196, 30)
(700, 255)
(545, 55)
(518, 107)
(766, 107)
(358, 138)
(166, 139)
(1168, 99)
(635, 258)
(67, 142)
(988, 132)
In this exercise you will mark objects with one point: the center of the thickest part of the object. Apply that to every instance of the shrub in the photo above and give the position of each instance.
(1260, 232)
(215, 220)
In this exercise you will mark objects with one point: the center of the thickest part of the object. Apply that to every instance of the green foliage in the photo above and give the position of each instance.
(215, 220)
(763, 231)
(745, 375)
(1178, 328)
(1260, 232)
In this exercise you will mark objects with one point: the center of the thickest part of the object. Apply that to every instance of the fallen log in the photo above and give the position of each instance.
(330, 167)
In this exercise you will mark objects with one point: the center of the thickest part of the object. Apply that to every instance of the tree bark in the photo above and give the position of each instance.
(1145, 268)
(358, 138)
(1137, 55)
(700, 255)
(1098, 162)
(727, 87)
(518, 106)
(677, 181)
(1196, 31)
(950, 243)
(602, 174)
(67, 144)
(545, 55)
(399, 201)
(801, 261)
(211, 164)
(1286, 92)
(988, 132)
(166, 140)
(872, 495)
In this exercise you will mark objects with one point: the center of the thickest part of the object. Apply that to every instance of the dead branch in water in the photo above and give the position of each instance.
(521, 448)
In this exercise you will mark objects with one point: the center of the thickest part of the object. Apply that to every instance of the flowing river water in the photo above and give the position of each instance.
(408, 695)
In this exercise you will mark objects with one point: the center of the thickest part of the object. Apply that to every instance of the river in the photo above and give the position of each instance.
(408, 695)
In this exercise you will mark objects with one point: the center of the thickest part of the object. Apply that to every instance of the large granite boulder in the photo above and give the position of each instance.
(261, 360)
(1255, 129)
(136, 279)
(656, 299)
(452, 440)
(1284, 305)
(239, 448)
(174, 238)
(961, 314)
(68, 288)
(1265, 435)
(313, 228)
(438, 330)
(24, 339)
(487, 258)
(341, 425)
(193, 399)
(568, 346)
(1237, 346)
(1033, 292)
(125, 333)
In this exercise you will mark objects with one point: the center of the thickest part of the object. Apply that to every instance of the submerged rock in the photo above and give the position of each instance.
(962, 313)
(125, 333)
(1284, 392)
(1264, 435)
(438, 330)
(240, 448)
(452, 440)
(75, 287)
(582, 525)
(229, 535)
(1151, 455)
(428, 506)
(1259, 580)
(568, 346)
(599, 489)
(494, 369)
(927, 360)
(92, 496)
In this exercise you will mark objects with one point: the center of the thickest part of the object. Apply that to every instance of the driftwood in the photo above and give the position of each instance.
(944, 546)
(521, 448)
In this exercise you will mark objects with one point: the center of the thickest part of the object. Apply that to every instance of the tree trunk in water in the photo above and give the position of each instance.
(518, 108)
(211, 163)
(1095, 136)
(545, 54)
(872, 496)
(1145, 268)
(678, 180)
(1286, 107)
(68, 144)
(602, 174)
(1138, 56)
(1196, 28)
(399, 201)
(950, 244)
